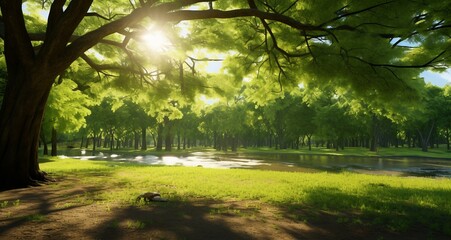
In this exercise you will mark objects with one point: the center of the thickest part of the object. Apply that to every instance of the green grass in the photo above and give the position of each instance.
(35, 218)
(5, 204)
(397, 203)
(363, 152)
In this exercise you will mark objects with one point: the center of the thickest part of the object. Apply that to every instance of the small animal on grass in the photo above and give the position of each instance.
(151, 197)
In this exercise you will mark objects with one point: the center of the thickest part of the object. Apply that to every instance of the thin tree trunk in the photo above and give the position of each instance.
(82, 140)
(94, 143)
(44, 143)
(215, 140)
(54, 142)
(99, 139)
(111, 140)
(143, 138)
(168, 135)
(425, 139)
(234, 144)
(374, 134)
(136, 140)
(178, 140)
(447, 139)
(160, 137)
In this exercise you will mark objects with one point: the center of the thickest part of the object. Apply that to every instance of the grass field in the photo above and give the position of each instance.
(390, 202)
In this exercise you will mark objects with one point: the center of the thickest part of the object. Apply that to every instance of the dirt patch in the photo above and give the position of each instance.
(67, 212)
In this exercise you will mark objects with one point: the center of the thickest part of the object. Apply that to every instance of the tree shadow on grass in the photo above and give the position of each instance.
(45, 160)
(169, 220)
(383, 212)
(68, 209)
(177, 220)
(21, 207)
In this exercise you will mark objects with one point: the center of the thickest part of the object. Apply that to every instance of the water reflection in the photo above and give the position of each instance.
(196, 159)
(283, 162)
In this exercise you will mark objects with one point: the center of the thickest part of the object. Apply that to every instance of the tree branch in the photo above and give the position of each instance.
(347, 14)
(426, 64)
(184, 15)
(61, 28)
(94, 14)
(275, 46)
(18, 47)
(83, 43)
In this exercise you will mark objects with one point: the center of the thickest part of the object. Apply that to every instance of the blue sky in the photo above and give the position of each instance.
(438, 79)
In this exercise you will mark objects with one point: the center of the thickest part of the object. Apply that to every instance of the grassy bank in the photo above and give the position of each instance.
(440, 152)
(395, 203)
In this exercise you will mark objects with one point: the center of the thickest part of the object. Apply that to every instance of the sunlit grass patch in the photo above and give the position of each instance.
(135, 224)
(6, 203)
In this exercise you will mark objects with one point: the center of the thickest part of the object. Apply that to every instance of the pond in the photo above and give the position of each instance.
(284, 162)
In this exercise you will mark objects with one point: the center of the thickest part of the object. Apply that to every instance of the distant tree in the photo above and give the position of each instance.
(445, 115)
(65, 112)
(422, 119)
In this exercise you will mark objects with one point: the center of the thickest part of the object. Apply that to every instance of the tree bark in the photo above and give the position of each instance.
(30, 78)
(20, 123)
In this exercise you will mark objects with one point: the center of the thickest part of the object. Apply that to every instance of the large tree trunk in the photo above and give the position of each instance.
(20, 123)
(30, 78)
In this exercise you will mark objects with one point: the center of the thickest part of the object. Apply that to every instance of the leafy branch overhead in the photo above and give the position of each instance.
(316, 33)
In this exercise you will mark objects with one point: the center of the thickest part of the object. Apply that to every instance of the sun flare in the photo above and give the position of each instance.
(157, 41)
